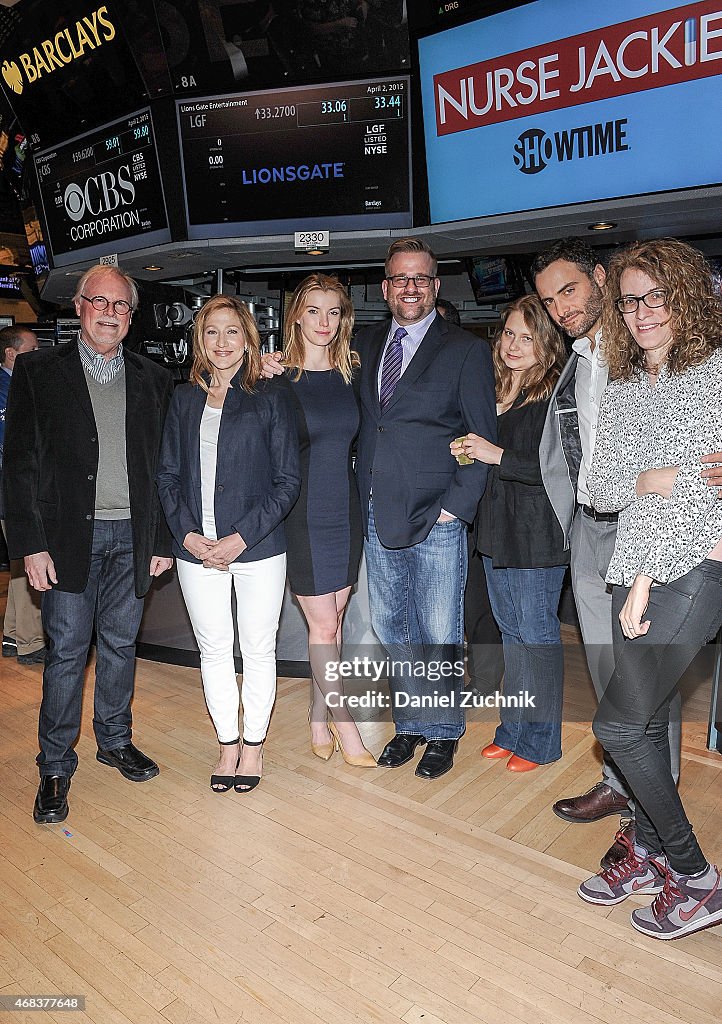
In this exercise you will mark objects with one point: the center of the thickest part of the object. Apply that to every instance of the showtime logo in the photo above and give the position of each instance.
(664, 48)
(534, 149)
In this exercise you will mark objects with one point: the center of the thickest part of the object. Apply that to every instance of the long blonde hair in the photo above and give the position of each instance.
(340, 355)
(252, 359)
(549, 352)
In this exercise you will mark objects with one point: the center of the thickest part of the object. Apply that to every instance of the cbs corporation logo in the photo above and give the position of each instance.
(12, 76)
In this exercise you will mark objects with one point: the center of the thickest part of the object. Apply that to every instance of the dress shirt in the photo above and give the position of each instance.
(590, 381)
(414, 336)
(100, 369)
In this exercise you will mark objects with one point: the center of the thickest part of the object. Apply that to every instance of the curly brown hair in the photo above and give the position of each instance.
(202, 367)
(549, 352)
(695, 308)
(340, 355)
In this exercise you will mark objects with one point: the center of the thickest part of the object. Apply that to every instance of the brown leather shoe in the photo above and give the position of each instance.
(617, 852)
(597, 803)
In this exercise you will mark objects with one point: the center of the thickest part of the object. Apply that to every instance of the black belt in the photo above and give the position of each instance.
(600, 517)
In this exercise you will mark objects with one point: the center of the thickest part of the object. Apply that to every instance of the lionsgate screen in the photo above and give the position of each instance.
(329, 157)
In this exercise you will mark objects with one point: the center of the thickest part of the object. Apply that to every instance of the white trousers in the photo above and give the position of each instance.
(259, 588)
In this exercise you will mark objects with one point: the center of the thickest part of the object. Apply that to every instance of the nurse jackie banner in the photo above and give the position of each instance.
(577, 110)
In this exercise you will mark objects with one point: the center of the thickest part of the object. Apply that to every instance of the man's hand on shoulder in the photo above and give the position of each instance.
(271, 364)
(40, 571)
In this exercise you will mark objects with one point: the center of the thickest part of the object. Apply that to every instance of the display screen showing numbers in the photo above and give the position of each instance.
(335, 156)
(102, 192)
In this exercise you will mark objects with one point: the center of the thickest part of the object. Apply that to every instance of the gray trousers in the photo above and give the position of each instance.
(592, 547)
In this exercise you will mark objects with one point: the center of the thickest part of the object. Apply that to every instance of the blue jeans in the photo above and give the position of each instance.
(525, 603)
(416, 599)
(108, 603)
(633, 716)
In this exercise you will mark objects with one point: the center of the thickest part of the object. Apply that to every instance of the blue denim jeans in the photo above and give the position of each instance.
(525, 603)
(633, 716)
(416, 599)
(109, 604)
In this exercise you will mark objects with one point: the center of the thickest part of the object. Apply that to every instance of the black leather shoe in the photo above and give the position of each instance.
(438, 759)
(51, 802)
(399, 750)
(36, 658)
(130, 762)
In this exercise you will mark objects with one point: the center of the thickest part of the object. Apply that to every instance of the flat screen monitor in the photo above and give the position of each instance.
(558, 102)
(332, 157)
(101, 192)
(494, 279)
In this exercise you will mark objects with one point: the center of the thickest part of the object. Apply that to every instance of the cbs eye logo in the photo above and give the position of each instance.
(12, 76)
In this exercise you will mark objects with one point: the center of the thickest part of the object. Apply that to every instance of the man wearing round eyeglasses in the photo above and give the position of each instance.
(81, 444)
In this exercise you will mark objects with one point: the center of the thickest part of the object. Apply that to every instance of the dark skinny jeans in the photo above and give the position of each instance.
(633, 716)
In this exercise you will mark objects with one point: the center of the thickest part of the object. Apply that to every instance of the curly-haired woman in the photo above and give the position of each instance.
(662, 327)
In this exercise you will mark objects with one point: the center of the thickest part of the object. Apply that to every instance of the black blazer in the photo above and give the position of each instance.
(258, 477)
(516, 525)
(403, 453)
(51, 461)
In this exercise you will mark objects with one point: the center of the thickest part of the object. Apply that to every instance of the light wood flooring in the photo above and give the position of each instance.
(328, 894)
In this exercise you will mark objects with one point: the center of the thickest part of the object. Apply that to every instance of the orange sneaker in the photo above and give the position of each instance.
(519, 764)
(492, 751)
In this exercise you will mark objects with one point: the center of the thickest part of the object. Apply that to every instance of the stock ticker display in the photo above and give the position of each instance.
(102, 193)
(331, 157)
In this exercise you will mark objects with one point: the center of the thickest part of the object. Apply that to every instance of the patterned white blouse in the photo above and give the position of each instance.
(643, 427)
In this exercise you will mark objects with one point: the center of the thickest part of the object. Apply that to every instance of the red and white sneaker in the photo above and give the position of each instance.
(636, 872)
(686, 904)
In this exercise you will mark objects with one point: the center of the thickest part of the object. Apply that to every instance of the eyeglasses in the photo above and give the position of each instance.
(401, 280)
(653, 300)
(99, 302)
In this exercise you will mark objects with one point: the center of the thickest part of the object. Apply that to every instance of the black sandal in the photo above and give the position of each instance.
(222, 783)
(245, 783)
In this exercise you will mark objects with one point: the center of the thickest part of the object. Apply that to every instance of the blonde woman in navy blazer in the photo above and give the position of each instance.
(228, 476)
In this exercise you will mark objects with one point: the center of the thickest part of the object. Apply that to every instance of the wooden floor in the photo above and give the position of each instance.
(329, 893)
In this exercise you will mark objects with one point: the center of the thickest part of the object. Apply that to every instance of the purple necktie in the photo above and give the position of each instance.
(391, 369)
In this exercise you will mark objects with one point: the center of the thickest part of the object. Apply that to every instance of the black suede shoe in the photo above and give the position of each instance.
(130, 762)
(438, 759)
(51, 802)
(399, 750)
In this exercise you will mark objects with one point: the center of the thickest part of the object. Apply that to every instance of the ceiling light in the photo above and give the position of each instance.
(602, 225)
(152, 266)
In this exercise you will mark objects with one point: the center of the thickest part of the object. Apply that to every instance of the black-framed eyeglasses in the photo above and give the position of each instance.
(401, 280)
(653, 300)
(99, 302)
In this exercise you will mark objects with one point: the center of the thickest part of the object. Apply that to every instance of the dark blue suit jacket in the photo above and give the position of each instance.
(258, 476)
(403, 453)
(5, 379)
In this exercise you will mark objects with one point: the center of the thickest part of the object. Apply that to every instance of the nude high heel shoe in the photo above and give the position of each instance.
(365, 760)
(322, 750)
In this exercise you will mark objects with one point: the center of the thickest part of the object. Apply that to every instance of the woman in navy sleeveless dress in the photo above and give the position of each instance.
(323, 530)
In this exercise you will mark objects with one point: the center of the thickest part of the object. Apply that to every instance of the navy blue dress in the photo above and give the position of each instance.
(323, 530)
